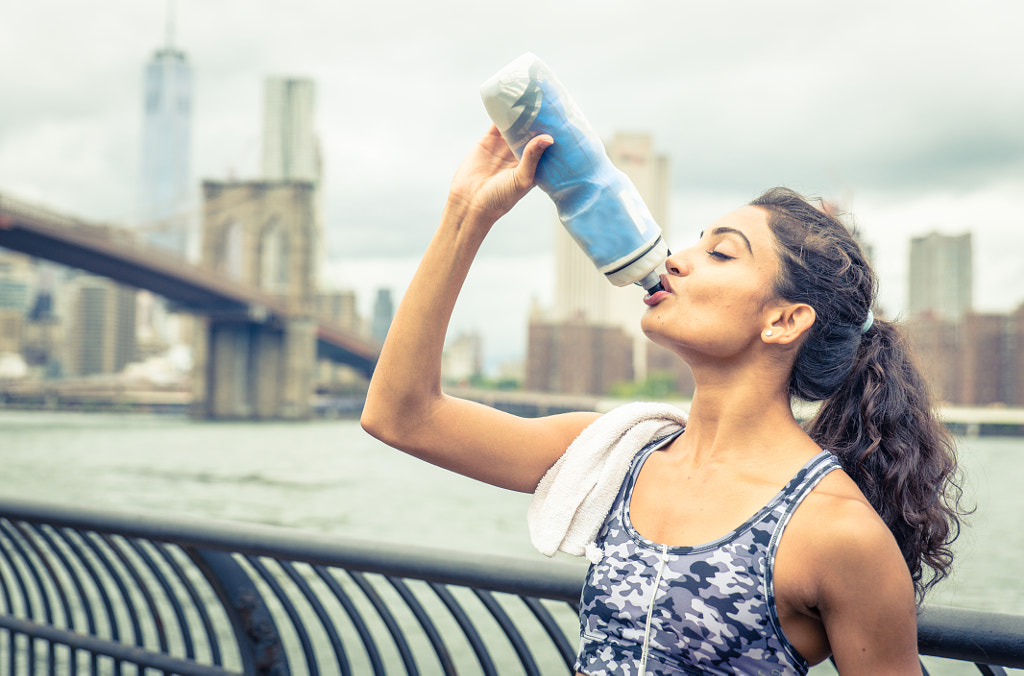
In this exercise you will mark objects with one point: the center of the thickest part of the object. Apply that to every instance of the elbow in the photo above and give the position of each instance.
(378, 416)
(397, 411)
(375, 423)
(393, 420)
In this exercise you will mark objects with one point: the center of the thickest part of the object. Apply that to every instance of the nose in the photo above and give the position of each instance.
(678, 264)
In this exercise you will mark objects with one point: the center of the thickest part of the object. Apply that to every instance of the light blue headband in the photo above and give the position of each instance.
(868, 322)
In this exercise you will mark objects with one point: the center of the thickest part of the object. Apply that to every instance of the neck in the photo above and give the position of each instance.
(740, 416)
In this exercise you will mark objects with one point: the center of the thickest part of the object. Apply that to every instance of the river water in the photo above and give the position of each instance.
(330, 476)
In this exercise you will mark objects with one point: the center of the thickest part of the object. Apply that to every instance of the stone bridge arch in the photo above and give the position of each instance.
(264, 234)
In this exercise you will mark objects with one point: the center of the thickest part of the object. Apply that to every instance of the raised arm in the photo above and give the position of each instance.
(405, 406)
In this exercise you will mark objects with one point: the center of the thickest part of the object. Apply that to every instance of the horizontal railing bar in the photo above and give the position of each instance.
(550, 579)
(117, 651)
(994, 638)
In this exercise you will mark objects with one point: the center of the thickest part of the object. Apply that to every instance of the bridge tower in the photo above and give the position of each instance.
(261, 233)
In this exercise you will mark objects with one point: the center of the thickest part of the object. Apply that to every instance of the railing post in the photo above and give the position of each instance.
(256, 634)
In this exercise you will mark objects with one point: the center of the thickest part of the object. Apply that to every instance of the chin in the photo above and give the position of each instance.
(659, 338)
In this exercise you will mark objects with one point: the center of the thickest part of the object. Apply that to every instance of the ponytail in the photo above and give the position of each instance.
(876, 414)
(882, 427)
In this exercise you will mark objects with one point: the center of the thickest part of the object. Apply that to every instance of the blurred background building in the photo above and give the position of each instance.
(289, 140)
(970, 358)
(165, 181)
(941, 276)
(102, 323)
(166, 213)
(592, 317)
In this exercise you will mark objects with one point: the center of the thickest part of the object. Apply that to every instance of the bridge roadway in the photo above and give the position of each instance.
(113, 252)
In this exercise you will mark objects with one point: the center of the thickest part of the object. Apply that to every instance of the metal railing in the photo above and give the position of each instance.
(95, 592)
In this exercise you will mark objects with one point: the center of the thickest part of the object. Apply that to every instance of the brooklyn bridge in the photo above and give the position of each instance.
(253, 291)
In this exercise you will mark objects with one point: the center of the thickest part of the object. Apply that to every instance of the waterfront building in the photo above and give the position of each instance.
(986, 359)
(977, 361)
(941, 276)
(102, 331)
(936, 345)
(577, 356)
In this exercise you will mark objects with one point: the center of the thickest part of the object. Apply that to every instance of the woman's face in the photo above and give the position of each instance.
(716, 294)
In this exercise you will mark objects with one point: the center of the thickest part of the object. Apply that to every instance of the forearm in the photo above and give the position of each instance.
(406, 384)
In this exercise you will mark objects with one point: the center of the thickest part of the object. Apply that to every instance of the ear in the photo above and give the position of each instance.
(787, 323)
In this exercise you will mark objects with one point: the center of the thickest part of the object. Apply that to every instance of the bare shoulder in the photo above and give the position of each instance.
(855, 580)
(852, 562)
(848, 534)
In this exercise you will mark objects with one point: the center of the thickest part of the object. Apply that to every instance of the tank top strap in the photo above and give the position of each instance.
(643, 453)
(798, 488)
(809, 476)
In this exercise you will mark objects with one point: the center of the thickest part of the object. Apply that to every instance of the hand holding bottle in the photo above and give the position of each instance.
(491, 179)
(597, 203)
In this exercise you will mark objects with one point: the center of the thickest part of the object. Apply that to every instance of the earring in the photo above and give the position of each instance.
(768, 332)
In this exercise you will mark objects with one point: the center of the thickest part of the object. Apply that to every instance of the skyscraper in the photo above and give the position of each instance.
(289, 140)
(941, 276)
(290, 148)
(165, 183)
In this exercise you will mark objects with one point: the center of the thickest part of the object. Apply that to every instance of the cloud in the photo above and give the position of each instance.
(911, 110)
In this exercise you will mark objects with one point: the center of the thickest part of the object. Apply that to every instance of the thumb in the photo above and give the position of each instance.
(532, 153)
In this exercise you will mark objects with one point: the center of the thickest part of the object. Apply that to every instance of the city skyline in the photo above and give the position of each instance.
(916, 134)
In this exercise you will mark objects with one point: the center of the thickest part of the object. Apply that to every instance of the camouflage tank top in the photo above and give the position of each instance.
(648, 608)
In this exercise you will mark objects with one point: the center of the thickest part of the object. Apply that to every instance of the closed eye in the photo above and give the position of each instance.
(718, 255)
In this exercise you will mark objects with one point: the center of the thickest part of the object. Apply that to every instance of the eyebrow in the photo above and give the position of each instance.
(726, 230)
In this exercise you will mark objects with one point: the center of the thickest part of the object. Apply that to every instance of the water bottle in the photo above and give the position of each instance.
(596, 202)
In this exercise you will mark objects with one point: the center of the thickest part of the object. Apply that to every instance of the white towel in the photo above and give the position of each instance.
(573, 497)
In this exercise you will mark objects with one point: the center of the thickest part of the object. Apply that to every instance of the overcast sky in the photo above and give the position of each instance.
(910, 113)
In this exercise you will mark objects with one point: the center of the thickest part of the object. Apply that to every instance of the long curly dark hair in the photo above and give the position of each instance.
(876, 413)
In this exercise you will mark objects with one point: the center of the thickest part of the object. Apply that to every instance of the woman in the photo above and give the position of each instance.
(772, 302)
